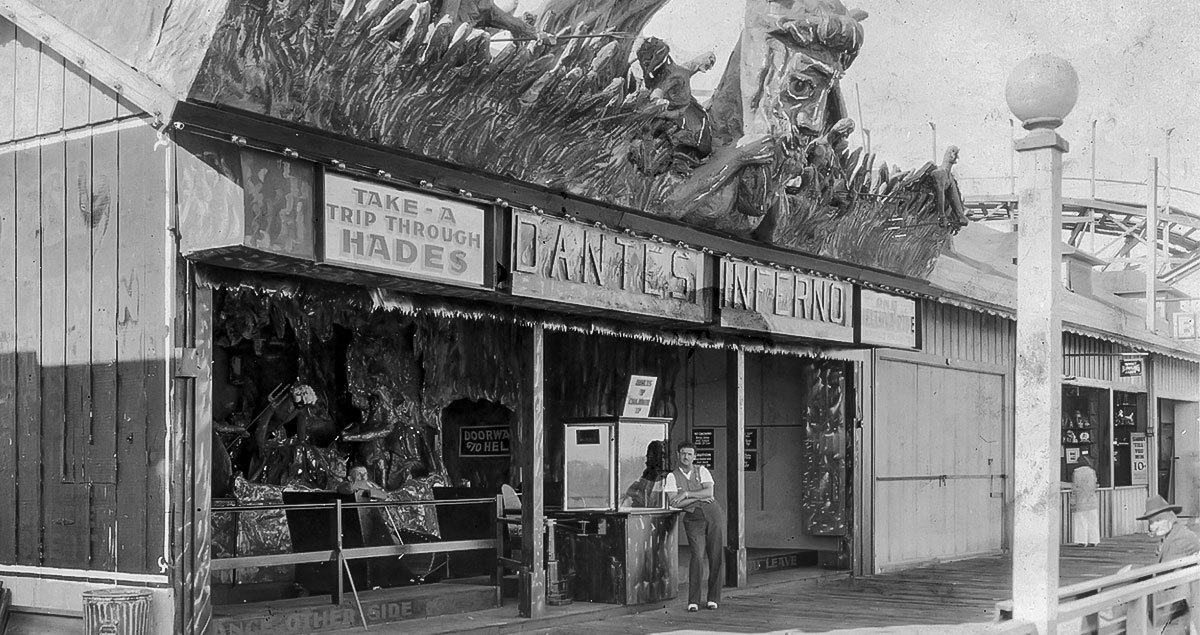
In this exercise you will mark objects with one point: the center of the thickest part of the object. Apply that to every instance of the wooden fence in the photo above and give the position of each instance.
(1119, 509)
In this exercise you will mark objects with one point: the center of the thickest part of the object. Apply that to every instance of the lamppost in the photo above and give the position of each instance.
(1040, 92)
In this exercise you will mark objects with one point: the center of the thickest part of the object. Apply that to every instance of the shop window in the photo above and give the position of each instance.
(1129, 427)
(1085, 431)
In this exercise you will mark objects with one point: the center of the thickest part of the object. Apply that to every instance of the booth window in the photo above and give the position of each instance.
(1085, 431)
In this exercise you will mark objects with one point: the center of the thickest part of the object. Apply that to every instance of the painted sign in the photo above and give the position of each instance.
(703, 439)
(379, 228)
(1184, 325)
(886, 320)
(561, 261)
(750, 462)
(705, 458)
(752, 439)
(484, 441)
(769, 299)
(1139, 459)
(1131, 367)
(640, 396)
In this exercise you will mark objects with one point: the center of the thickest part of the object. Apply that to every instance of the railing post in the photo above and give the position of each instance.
(340, 562)
(501, 530)
(1137, 620)
(1193, 602)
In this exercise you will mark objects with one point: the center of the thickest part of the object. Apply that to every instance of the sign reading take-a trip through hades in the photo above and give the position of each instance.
(773, 300)
(380, 228)
(557, 260)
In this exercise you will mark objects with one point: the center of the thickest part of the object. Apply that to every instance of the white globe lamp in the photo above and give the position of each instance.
(1041, 91)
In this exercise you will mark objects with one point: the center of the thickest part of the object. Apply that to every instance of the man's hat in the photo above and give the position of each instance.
(1156, 505)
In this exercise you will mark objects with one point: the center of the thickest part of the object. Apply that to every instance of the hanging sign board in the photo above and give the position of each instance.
(484, 442)
(573, 263)
(1184, 325)
(1131, 367)
(640, 396)
(887, 320)
(766, 299)
(705, 441)
(702, 438)
(752, 439)
(1139, 459)
(380, 228)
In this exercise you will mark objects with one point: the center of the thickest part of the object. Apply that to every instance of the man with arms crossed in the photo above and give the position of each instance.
(690, 488)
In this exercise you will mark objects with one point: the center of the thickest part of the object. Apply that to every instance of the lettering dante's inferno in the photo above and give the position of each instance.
(371, 226)
(582, 264)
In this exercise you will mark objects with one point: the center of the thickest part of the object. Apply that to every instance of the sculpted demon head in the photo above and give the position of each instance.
(801, 48)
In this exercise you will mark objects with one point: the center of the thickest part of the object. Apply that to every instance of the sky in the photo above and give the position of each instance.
(946, 62)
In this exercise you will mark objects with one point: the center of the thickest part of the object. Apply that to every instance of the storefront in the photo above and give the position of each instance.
(441, 383)
(302, 362)
(1137, 450)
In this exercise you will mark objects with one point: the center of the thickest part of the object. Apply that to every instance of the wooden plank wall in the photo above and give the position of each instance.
(1176, 379)
(1090, 358)
(951, 332)
(83, 355)
(932, 421)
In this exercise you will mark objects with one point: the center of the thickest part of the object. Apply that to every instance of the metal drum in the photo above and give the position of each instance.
(116, 612)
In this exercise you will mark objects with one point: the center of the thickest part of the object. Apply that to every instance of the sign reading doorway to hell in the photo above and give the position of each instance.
(640, 396)
(1139, 461)
(484, 441)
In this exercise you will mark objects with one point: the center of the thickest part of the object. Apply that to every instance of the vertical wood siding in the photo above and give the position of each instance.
(939, 456)
(83, 366)
(1091, 358)
(1176, 379)
(950, 332)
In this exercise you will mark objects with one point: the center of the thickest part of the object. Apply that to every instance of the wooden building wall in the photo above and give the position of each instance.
(1088, 358)
(1176, 379)
(936, 470)
(83, 330)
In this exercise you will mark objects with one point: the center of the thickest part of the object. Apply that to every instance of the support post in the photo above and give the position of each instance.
(341, 559)
(736, 572)
(1152, 246)
(533, 573)
(1038, 381)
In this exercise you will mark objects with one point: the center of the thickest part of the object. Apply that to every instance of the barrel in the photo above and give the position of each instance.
(116, 611)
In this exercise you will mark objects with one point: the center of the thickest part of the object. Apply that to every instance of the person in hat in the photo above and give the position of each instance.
(1177, 541)
(1085, 504)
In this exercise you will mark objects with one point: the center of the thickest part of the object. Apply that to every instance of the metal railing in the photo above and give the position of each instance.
(1133, 601)
(341, 555)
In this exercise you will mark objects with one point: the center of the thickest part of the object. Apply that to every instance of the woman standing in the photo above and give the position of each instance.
(1085, 507)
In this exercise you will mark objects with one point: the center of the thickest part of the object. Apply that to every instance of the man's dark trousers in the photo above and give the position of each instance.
(705, 528)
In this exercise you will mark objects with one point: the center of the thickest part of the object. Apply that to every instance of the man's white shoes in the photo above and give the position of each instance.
(692, 608)
(712, 606)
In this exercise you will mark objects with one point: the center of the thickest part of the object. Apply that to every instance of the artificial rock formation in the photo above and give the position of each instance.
(768, 158)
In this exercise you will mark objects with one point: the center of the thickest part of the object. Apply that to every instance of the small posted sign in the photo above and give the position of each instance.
(484, 442)
(640, 396)
(1131, 367)
(703, 438)
(1139, 461)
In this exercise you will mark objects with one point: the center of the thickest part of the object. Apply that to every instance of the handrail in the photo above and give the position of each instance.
(1134, 589)
(341, 554)
(265, 507)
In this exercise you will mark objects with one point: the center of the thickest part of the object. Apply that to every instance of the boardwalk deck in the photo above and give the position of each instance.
(910, 601)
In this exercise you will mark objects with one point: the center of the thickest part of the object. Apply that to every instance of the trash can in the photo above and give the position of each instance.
(116, 612)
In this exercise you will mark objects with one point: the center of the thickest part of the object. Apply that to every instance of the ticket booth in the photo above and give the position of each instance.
(618, 537)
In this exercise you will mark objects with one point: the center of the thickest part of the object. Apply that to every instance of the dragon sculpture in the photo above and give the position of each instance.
(559, 102)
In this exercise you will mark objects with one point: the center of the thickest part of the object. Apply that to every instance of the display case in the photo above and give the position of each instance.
(605, 460)
(1084, 430)
(1129, 420)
